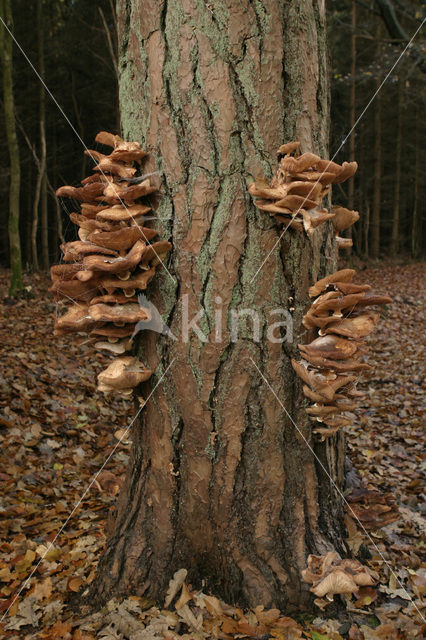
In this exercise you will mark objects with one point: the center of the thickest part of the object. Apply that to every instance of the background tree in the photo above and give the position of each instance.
(13, 148)
(220, 481)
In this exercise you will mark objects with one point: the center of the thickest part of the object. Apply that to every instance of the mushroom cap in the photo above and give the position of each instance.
(116, 193)
(77, 249)
(263, 190)
(322, 410)
(337, 304)
(138, 280)
(348, 287)
(326, 387)
(90, 210)
(73, 290)
(89, 224)
(128, 313)
(358, 326)
(87, 193)
(116, 265)
(113, 299)
(336, 365)
(371, 299)
(118, 348)
(155, 253)
(77, 318)
(109, 139)
(123, 238)
(343, 243)
(296, 202)
(111, 331)
(272, 207)
(288, 147)
(330, 346)
(294, 165)
(344, 275)
(64, 271)
(120, 213)
(124, 373)
(343, 218)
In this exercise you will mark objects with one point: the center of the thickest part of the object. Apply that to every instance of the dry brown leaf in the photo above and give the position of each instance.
(174, 585)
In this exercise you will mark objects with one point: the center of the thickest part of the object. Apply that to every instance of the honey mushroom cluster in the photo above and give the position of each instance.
(112, 261)
(331, 363)
(301, 183)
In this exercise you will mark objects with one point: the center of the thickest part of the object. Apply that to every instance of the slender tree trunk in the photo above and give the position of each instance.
(367, 229)
(219, 480)
(42, 158)
(13, 147)
(42, 117)
(351, 184)
(397, 182)
(416, 223)
(377, 186)
(78, 120)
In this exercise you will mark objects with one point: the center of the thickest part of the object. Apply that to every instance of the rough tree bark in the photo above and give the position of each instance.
(13, 147)
(219, 480)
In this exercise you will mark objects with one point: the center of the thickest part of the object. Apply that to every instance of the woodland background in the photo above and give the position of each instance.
(73, 45)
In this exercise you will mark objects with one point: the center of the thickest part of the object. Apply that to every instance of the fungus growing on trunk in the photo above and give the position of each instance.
(301, 182)
(337, 351)
(111, 262)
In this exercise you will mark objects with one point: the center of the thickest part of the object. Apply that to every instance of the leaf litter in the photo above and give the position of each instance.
(56, 431)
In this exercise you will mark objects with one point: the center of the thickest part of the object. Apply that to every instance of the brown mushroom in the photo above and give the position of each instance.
(73, 290)
(354, 327)
(124, 373)
(136, 281)
(74, 251)
(123, 238)
(64, 271)
(128, 313)
(109, 139)
(76, 319)
(344, 275)
(111, 331)
(119, 213)
(88, 193)
(330, 346)
(343, 218)
(91, 210)
(336, 365)
(326, 387)
(155, 253)
(117, 194)
(117, 348)
(116, 265)
(288, 147)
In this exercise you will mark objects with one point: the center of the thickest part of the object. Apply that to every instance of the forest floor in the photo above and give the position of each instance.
(56, 432)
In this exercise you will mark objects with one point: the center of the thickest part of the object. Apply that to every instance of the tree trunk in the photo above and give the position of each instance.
(377, 190)
(397, 183)
(351, 184)
(13, 147)
(219, 480)
(416, 230)
(42, 118)
(38, 194)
